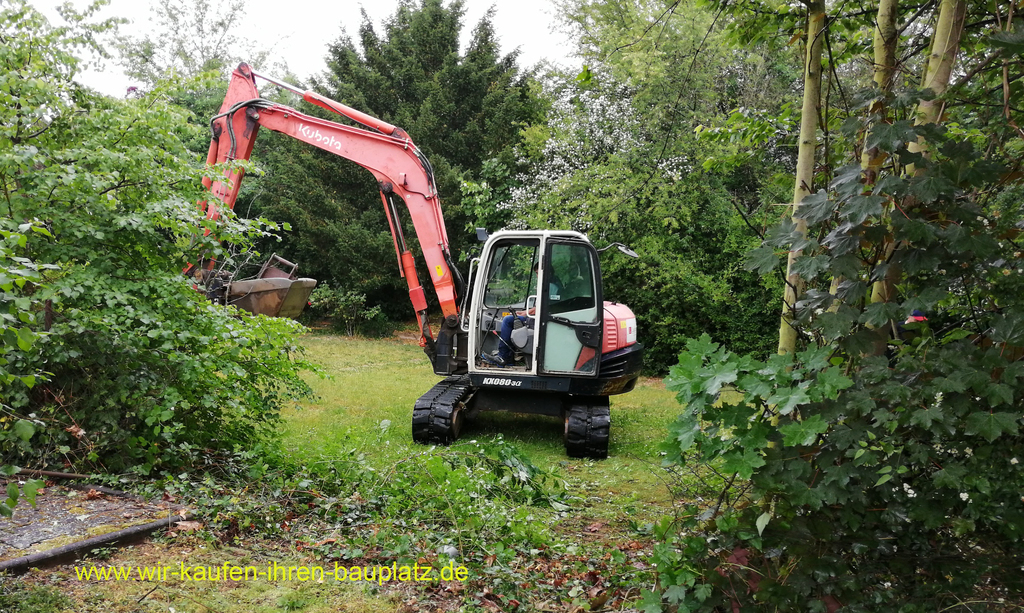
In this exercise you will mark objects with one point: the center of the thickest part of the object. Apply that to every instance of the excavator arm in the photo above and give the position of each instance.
(402, 172)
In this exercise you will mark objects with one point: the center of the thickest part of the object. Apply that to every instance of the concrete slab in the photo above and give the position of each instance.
(65, 515)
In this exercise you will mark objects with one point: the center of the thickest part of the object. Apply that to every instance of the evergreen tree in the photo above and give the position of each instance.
(461, 109)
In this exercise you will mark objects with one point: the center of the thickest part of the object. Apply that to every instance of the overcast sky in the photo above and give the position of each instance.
(297, 32)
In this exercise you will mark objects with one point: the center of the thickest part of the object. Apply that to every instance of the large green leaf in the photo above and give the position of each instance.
(810, 266)
(685, 431)
(1011, 42)
(858, 208)
(927, 416)
(1008, 328)
(742, 462)
(930, 187)
(843, 239)
(718, 375)
(991, 425)
(831, 381)
(24, 429)
(786, 399)
(763, 260)
(817, 207)
(891, 137)
(803, 432)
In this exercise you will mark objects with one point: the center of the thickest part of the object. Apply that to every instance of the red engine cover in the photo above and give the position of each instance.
(619, 327)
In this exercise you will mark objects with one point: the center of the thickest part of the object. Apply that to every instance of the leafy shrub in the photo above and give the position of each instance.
(19, 278)
(348, 313)
(901, 492)
(137, 361)
(881, 468)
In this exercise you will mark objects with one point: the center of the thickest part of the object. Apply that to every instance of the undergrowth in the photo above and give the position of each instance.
(16, 597)
(480, 504)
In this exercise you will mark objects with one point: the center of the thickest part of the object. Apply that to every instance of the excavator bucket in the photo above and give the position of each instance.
(296, 298)
(276, 292)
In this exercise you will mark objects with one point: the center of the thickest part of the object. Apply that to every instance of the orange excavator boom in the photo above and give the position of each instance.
(402, 172)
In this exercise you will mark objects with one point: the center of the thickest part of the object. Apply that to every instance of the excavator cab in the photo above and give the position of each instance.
(507, 318)
(537, 306)
(572, 322)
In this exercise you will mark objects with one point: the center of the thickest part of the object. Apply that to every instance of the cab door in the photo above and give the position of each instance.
(507, 285)
(571, 317)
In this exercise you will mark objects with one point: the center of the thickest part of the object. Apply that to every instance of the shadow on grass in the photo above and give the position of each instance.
(516, 428)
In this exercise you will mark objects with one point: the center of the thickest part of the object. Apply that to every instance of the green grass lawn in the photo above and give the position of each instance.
(365, 404)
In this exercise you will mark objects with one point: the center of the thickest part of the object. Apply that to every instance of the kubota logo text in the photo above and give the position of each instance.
(314, 135)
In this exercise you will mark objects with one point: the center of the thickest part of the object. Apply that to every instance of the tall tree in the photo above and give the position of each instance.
(806, 156)
(621, 159)
(190, 51)
(188, 38)
(879, 465)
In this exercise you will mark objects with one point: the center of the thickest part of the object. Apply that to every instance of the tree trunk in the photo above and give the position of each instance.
(945, 45)
(805, 164)
(886, 37)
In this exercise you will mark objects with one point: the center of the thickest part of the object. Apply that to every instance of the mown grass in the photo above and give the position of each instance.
(365, 407)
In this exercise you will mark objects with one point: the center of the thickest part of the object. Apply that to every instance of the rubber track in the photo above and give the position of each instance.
(432, 415)
(587, 430)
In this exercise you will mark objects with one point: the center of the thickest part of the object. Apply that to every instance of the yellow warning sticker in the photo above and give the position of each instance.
(440, 271)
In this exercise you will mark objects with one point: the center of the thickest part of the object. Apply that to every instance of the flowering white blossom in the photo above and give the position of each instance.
(965, 496)
(1013, 460)
(587, 127)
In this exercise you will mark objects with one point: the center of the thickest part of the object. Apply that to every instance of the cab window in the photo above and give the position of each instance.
(512, 276)
(574, 278)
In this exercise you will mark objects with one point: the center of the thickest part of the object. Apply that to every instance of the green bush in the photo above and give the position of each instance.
(898, 489)
(19, 296)
(137, 362)
(348, 313)
(882, 467)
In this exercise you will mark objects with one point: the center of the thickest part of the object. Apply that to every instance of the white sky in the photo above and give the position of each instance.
(299, 34)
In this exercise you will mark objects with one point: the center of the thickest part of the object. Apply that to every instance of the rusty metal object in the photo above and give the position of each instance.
(274, 267)
(297, 296)
(259, 296)
(275, 293)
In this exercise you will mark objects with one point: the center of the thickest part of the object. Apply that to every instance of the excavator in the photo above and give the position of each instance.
(531, 333)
